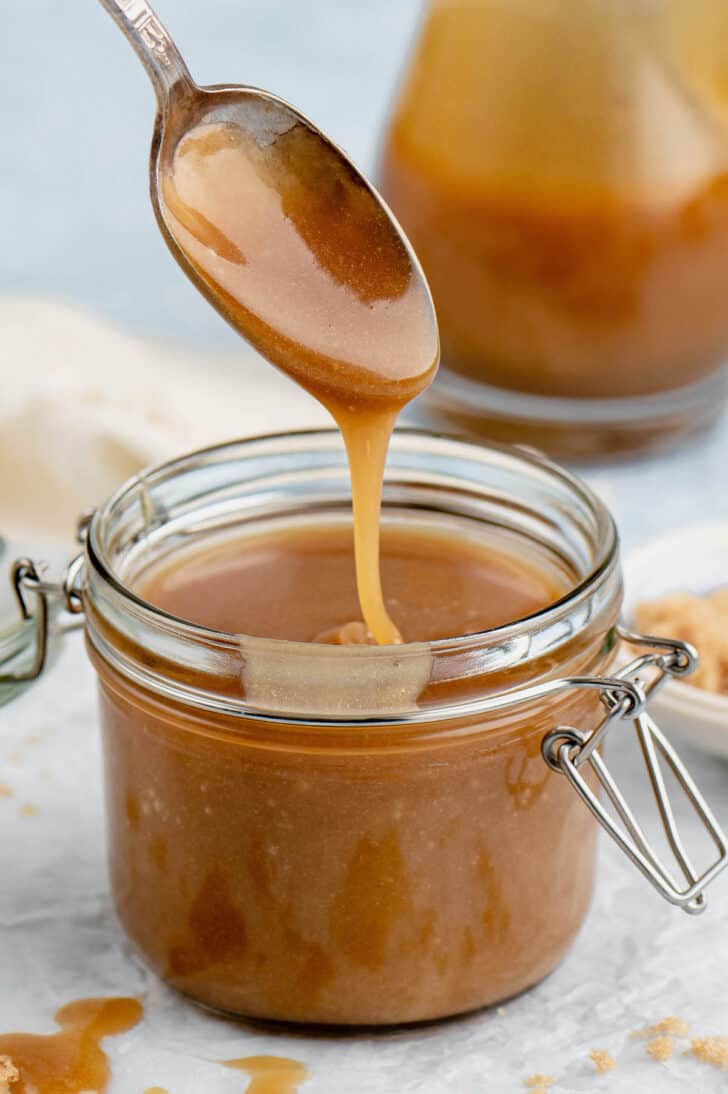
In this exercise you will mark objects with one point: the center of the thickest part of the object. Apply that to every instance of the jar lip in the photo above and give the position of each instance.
(609, 544)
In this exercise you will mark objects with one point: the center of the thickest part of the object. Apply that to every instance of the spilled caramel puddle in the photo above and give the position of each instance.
(270, 1074)
(72, 1060)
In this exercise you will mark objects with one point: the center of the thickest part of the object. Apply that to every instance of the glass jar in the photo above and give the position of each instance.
(561, 169)
(280, 848)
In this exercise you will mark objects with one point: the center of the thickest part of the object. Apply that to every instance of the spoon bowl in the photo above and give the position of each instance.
(281, 233)
(291, 244)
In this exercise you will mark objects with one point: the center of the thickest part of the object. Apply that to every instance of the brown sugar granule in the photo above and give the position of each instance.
(660, 1048)
(700, 620)
(8, 1074)
(603, 1061)
(671, 1026)
(5, 791)
(28, 810)
(711, 1050)
(539, 1084)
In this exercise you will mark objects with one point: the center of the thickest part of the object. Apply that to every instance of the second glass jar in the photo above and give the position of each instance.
(562, 171)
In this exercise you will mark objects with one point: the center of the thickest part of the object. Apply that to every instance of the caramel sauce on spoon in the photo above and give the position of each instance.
(299, 254)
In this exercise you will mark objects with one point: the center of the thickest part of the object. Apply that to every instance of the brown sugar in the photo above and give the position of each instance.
(29, 810)
(672, 1026)
(700, 620)
(710, 1050)
(660, 1048)
(661, 1037)
(5, 791)
(539, 1084)
(603, 1061)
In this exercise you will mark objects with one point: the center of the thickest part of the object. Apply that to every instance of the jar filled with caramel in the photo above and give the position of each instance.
(306, 827)
(562, 171)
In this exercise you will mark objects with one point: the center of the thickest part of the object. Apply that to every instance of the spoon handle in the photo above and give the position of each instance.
(152, 43)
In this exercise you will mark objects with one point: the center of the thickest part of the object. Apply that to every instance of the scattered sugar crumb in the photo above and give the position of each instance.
(14, 757)
(660, 1048)
(711, 1050)
(29, 810)
(33, 738)
(700, 620)
(500, 1011)
(603, 1061)
(539, 1084)
(8, 1074)
(672, 1026)
(5, 791)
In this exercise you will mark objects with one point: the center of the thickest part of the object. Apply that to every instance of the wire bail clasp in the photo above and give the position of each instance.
(26, 578)
(568, 750)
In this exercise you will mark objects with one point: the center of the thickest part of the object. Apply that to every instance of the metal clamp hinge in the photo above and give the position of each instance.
(27, 581)
(568, 750)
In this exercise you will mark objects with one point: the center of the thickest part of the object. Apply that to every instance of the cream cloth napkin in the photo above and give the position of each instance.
(84, 406)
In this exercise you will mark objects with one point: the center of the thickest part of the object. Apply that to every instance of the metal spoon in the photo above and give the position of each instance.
(287, 240)
(334, 235)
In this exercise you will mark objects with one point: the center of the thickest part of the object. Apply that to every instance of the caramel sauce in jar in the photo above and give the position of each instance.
(299, 583)
(334, 834)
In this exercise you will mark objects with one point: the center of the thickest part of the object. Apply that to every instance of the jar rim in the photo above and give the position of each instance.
(527, 455)
(481, 654)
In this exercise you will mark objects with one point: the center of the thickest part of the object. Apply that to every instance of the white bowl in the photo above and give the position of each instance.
(694, 561)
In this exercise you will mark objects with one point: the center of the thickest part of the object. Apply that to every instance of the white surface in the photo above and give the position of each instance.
(636, 960)
(694, 560)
